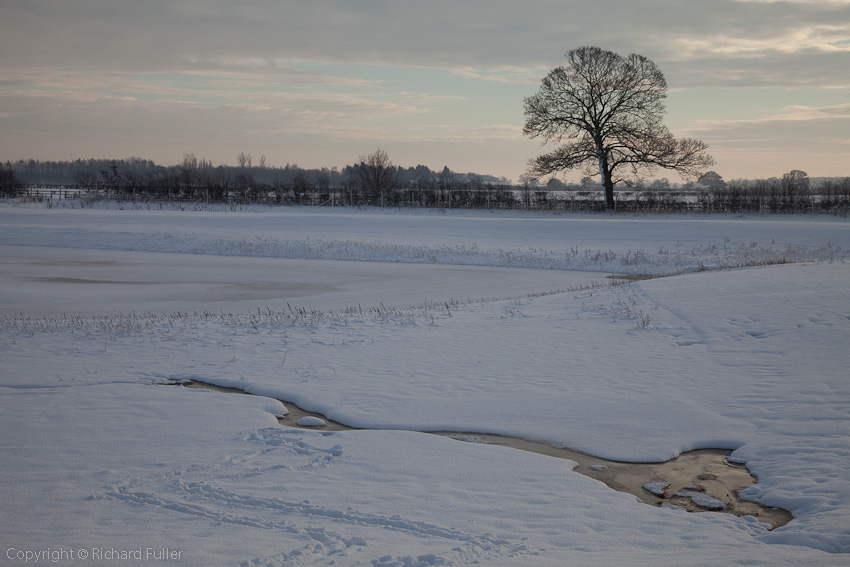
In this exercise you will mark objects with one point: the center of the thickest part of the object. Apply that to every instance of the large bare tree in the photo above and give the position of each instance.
(375, 174)
(608, 110)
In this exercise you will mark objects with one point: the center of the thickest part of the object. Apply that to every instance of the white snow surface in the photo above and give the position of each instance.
(311, 421)
(97, 454)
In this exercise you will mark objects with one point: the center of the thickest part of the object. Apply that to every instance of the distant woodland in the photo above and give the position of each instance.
(375, 181)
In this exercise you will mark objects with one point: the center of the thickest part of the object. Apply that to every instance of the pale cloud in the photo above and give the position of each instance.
(827, 38)
(511, 75)
(814, 139)
(491, 39)
(794, 113)
(795, 1)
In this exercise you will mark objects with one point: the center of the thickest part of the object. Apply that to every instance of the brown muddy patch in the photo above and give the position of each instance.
(698, 481)
(704, 480)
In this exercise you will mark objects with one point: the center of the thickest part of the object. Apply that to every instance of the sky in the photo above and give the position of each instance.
(440, 82)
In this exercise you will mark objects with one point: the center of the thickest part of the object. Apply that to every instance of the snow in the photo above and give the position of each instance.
(657, 488)
(703, 500)
(311, 421)
(401, 322)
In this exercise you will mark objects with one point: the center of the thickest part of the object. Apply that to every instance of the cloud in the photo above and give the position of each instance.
(793, 113)
(811, 138)
(768, 70)
(826, 38)
(493, 39)
(224, 107)
(796, 1)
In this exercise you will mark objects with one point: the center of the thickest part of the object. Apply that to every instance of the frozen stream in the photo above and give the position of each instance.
(699, 481)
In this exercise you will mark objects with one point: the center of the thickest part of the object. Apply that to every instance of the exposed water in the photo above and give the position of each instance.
(699, 481)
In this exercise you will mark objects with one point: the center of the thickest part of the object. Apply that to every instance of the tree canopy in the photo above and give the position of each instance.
(375, 173)
(608, 110)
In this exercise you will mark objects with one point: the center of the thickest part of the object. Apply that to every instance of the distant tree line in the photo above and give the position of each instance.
(375, 181)
(794, 192)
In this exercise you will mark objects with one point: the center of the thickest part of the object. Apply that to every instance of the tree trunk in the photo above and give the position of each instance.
(606, 173)
(609, 192)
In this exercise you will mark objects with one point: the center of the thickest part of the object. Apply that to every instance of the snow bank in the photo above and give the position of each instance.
(641, 244)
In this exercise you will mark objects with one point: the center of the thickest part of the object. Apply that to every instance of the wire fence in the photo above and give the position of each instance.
(831, 196)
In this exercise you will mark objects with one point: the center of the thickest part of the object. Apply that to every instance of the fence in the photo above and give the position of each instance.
(53, 192)
(827, 198)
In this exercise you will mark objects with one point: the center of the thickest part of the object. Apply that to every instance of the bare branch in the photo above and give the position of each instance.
(610, 110)
(375, 173)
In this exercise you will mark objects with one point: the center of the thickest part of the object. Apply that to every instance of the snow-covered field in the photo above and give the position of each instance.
(404, 322)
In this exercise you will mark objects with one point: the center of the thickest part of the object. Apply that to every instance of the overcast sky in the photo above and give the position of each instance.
(438, 82)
